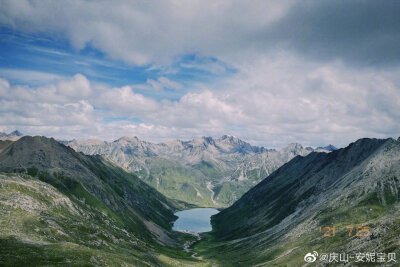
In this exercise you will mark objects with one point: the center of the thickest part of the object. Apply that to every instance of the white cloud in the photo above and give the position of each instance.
(29, 76)
(125, 102)
(158, 32)
(214, 67)
(78, 87)
(143, 32)
(59, 105)
(274, 97)
(167, 83)
(270, 102)
(158, 84)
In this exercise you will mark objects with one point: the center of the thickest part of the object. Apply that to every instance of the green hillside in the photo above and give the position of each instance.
(59, 207)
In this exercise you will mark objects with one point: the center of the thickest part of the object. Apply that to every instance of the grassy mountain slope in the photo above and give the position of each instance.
(277, 222)
(176, 181)
(58, 206)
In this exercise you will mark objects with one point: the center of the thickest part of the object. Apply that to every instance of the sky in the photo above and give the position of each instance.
(268, 72)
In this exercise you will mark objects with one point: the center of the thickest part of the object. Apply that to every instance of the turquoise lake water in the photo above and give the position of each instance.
(194, 220)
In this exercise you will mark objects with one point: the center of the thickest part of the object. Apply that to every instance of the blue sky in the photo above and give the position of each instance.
(54, 58)
(269, 72)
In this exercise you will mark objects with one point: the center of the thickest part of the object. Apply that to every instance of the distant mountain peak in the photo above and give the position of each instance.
(230, 137)
(16, 133)
(208, 139)
(204, 141)
(89, 142)
(328, 147)
(13, 136)
(293, 146)
(128, 139)
(174, 142)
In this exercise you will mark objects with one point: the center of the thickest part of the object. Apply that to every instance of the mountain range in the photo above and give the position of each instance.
(212, 172)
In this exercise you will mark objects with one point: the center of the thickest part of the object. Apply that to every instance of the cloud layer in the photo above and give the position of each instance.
(319, 104)
(314, 72)
(144, 32)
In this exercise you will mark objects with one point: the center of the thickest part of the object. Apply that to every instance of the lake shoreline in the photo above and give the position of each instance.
(194, 221)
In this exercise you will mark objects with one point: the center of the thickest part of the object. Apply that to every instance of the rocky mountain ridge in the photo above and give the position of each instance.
(205, 171)
(286, 215)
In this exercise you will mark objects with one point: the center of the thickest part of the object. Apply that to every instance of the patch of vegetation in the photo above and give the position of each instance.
(32, 171)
